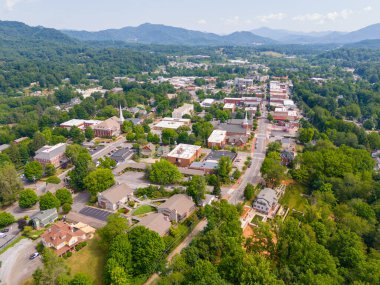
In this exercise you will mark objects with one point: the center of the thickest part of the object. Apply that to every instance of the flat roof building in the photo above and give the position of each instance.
(184, 154)
(217, 138)
(51, 154)
(186, 109)
(171, 123)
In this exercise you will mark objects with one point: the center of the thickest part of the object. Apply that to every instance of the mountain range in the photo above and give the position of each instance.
(16, 32)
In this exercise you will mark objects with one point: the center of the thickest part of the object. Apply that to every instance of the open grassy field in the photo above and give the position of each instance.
(89, 260)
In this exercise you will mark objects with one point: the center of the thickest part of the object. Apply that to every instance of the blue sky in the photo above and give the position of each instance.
(219, 16)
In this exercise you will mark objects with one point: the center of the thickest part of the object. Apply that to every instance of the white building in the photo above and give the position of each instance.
(171, 123)
(186, 109)
(217, 138)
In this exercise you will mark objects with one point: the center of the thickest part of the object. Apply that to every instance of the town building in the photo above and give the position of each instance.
(156, 222)
(122, 154)
(229, 107)
(207, 166)
(207, 103)
(186, 109)
(62, 237)
(108, 128)
(184, 154)
(178, 207)
(265, 201)
(81, 124)
(243, 101)
(51, 154)
(44, 218)
(283, 114)
(171, 123)
(116, 196)
(148, 150)
(217, 139)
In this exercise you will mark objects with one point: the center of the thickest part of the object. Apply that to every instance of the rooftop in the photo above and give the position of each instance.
(49, 152)
(217, 136)
(184, 151)
(116, 193)
(179, 202)
(216, 155)
(156, 222)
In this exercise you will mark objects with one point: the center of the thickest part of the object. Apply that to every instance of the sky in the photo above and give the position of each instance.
(218, 16)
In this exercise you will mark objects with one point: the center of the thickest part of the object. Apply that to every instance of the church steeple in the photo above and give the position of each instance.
(246, 123)
(121, 118)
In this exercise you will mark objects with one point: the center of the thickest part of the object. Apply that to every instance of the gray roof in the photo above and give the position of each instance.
(116, 193)
(50, 152)
(238, 129)
(269, 195)
(216, 155)
(204, 165)
(179, 202)
(122, 154)
(45, 215)
(156, 222)
(234, 139)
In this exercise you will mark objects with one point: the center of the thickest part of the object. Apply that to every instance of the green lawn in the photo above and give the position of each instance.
(89, 260)
(144, 209)
(293, 198)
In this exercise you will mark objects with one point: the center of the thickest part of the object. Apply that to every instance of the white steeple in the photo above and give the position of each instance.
(246, 123)
(121, 118)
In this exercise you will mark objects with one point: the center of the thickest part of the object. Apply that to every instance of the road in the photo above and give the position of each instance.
(15, 264)
(252, 175)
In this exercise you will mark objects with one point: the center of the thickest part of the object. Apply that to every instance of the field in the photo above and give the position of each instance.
(89, 260)
(293, 198)
(144, 209)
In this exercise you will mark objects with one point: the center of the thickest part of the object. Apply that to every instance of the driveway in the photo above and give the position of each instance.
(15, 264)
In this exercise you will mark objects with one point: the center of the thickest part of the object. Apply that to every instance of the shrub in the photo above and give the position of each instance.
(6, 219)
(40, 247)
(81, 245)
(27, 198)
(22, 223)
(66, 208)
(53, 180)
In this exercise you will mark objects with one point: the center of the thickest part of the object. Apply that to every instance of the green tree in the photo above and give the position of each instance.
(77, 135)
(306, 135)
(169, 136)
(249, 191)
(64, 196)
(53, 180)
(81, 279)
(50, 169)
(163, 172)
(83, 165)
(147, 248)
(116, 225)
(49, 201)
(33, 171)
(10, 185)
(272, 171)
(224, 169)
(6, 219)
(107, 162)
(99, 180)
(196, 188)
(27, 198)
(89, 134)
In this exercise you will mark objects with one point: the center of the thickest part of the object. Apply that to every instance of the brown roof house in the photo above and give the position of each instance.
(177, 208)
(108, 128)
(114, 197)
(148, 150)
(62, 237)
(156, 222)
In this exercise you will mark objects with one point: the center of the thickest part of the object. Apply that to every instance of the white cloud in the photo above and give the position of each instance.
(368, 9)
(202, 22)
(274, 17)
(322, 18)
(9, 4)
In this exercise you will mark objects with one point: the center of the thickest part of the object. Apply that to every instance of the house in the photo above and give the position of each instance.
(114, 197)
(217, 139)
(62, 237)
(156, 222)
(177, 208)
(108, 128)
(208, 200)
(184, 154)
(265, 201)
(148, 150)
(88, 230)
(51, 154)
(186, 109)
(44, 218)
(238, 140)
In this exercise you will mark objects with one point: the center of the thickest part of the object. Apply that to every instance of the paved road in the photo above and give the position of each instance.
(252, 174)
(15, 264)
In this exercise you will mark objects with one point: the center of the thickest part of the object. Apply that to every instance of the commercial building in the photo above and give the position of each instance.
(243, 101)
(51, 154)
(184, 154)
(283, 114)
(171, 123)
(81, 124)
(177, 208)
(108, 128)
(217, 139)
(113, 198)
(186, 109)
(229, 107)
(206, 103)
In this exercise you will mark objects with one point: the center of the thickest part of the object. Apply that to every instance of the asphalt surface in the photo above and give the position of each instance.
(15, 264)
(252, 174)
(95, 213)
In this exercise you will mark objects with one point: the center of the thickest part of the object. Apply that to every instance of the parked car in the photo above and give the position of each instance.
(4, 231)
(34, 255)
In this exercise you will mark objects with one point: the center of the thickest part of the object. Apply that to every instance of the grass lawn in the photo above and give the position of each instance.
(257, 219)
(293, 198)
(144, 209)
(89, 260)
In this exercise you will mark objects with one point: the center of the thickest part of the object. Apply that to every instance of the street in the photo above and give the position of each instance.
(15, 264)
(252, 174)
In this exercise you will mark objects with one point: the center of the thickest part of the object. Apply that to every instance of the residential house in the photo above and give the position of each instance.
(184, 154)
(44, 218)
(265, 201)
(148, 150)
(238, 140)
(51, 154)
(62, 237)
(177, 208)
(156, 222)
(113, 198)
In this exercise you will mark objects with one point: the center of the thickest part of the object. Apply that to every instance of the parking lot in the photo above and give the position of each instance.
(98, 214)
(133, 179)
